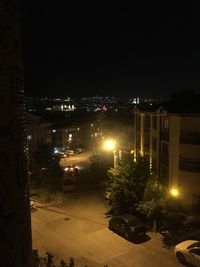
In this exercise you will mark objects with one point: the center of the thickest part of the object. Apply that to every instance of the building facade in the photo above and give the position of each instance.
(15, 222)
(38, 132)
(172, 141)
(67, 137)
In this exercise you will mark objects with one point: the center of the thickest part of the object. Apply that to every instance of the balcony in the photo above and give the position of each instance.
(164, 135)
(192, 138)
(189, 165)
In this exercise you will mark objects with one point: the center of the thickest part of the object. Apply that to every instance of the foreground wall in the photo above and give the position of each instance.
(15, 226)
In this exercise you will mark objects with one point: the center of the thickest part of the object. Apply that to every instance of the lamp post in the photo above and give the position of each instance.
(111, 145)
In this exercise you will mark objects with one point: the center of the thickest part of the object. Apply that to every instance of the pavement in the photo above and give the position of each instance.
(76, 226)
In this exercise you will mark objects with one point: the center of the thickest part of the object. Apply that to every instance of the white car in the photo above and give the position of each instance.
(69, 152)
(188, 252)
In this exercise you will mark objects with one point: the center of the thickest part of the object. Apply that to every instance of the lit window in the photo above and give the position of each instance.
(29, 137)
(78, 129)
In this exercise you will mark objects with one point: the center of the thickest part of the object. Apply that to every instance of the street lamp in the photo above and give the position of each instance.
(111, 146)
(174, 192)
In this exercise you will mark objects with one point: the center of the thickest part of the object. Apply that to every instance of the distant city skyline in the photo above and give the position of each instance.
(122, 51)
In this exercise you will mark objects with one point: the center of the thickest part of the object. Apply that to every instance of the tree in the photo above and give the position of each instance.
(153, 199)
(45, 169)
(127, 182)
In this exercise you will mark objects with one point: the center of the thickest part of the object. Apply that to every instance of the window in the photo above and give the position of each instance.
(154, 122)
(165, 152)
(70, 138)
(153, 165)
(195, 251)
(147, 121)
(164, 175)
(29, 137)
(154, 145)
(165, 124)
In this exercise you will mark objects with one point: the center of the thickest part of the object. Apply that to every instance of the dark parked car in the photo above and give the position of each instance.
(127, 225)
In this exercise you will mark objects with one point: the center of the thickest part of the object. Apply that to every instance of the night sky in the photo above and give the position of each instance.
(109, 50)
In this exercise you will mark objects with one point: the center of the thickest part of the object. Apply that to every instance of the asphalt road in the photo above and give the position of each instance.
(78, 227)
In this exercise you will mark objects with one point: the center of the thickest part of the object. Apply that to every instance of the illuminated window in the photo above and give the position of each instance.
(29, 137)
(70, 138)
(78, 129)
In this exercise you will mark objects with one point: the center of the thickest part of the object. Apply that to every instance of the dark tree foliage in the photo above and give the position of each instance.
(127, 183)
(45, 169)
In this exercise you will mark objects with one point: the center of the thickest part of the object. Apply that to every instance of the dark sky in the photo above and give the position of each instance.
(85, 50)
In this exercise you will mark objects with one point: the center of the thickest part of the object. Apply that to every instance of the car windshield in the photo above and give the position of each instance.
(195, 245)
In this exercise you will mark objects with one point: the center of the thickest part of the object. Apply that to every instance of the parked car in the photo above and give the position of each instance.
(79, 150)
(188, 252)
(61, 154)
(127, 225)
(69, 152)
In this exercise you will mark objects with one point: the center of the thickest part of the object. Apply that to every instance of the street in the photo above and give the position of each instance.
(78, 228)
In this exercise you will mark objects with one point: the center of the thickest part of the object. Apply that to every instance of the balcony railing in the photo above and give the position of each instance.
(192, 138)
(190, 165)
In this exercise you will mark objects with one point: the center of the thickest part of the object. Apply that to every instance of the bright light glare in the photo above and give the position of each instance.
(109, 144)
(174, 192)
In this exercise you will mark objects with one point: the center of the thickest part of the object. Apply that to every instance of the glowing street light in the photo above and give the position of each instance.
(111, 146)
(174, 192)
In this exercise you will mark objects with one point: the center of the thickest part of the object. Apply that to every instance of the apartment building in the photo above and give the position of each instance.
(172, 141)
(39, 131)
(67, 137)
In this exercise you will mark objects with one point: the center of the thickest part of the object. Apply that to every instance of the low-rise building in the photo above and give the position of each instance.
(38, 131)
(172, 141)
